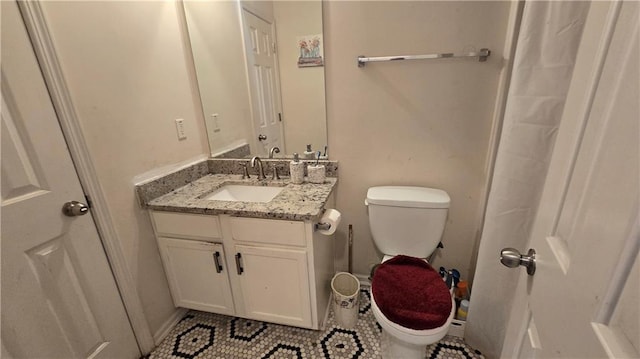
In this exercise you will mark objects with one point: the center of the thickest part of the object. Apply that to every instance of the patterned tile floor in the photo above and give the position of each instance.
(212, 336)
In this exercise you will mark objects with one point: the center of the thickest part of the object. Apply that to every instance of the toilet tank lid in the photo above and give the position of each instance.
(407, 196)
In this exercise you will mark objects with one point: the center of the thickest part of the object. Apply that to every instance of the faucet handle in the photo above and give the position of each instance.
(245, 171)
(275, 175)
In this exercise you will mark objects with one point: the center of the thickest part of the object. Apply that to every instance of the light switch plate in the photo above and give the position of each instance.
(215, 123)
(180, 128)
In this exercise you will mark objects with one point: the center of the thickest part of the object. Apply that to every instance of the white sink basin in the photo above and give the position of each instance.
(243, 193)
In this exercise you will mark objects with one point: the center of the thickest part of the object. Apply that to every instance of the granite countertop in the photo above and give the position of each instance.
(296, 202)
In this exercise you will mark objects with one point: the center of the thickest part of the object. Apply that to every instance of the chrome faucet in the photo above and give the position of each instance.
(260, 169)
(272, 150)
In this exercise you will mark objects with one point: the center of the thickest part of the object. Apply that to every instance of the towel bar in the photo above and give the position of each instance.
(481, 55)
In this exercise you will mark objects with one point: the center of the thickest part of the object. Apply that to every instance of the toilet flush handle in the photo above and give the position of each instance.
(512, 258)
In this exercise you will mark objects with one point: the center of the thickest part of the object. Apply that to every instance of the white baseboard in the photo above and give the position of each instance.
(457, 328)
(166, 328)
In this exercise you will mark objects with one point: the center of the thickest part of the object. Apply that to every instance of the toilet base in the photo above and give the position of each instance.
(393, 348)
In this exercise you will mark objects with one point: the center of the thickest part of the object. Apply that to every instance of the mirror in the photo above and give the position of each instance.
(260, 73)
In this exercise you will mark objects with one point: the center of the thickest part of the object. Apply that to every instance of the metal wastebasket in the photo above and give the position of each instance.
(346, 291)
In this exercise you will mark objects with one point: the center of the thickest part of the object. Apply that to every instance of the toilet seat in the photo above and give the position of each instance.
(412, 336)
(409, 293)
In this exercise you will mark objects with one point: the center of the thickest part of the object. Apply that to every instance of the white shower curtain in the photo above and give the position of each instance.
(546, 48)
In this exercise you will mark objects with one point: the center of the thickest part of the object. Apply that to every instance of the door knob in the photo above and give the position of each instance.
(512, 258)
(262, 137)
(74, 208)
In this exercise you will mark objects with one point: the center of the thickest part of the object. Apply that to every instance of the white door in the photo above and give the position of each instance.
(198, 275)
(582, 301)
(264, 83)
(281, 298)
(59, 297)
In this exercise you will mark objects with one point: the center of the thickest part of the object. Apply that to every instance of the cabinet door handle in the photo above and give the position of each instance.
(216, 260)
(239, 263)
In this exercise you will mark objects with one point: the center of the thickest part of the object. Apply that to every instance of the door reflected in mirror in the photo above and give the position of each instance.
(260, 73)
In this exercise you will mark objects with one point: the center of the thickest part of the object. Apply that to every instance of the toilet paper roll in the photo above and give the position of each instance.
(332, 217)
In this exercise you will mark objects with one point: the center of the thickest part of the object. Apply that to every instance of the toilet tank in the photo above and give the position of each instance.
(407, 220)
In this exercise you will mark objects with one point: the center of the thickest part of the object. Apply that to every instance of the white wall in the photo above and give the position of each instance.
(125, 67)
(303, 95)
(424, 123)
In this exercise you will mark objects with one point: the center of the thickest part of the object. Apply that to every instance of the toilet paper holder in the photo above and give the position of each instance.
(321, 226)
(328, 223)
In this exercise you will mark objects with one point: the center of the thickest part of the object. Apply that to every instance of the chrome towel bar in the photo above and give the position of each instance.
(481, 55)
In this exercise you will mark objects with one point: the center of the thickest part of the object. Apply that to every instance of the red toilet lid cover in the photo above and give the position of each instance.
(409, 292)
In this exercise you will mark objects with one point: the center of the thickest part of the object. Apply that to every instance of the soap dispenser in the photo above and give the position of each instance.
(309, 154)
(296, 170)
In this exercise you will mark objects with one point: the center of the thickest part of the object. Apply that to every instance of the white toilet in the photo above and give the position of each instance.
(408, 221)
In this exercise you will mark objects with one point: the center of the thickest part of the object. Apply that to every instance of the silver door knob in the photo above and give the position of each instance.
(262, 137)
(74, 208)
(512, 258)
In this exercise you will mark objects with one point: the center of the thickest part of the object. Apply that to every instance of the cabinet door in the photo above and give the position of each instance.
(274, 284)
(197, 275)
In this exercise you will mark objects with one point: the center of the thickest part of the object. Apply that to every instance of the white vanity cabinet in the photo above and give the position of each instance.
(194, 261)
(270, 270)
(273, 270)
(275, 285)
(197, 274)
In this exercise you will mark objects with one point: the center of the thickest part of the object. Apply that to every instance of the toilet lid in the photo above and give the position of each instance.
(409, 292)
